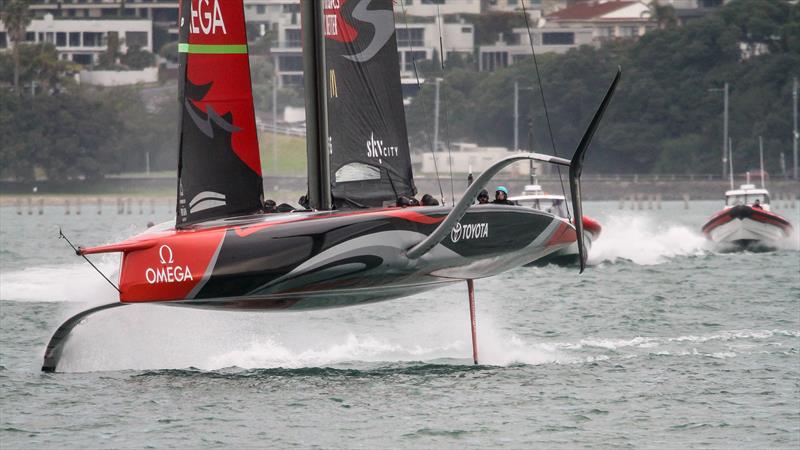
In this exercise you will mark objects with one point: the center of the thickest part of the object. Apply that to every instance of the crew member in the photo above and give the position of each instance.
(757, 204)
(501, 196)
(270, 206)
(483, 197)
(404, 201)
(429, 200)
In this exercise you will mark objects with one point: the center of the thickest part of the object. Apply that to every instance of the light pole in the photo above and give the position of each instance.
(796, 134)
(275, 121)
(436, 118)
(516, 125)
(726, 90)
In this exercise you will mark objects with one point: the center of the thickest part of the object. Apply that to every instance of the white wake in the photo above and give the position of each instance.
(645, 240)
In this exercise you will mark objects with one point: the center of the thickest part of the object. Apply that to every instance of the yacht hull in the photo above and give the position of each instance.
(315, 260)
(568, 256)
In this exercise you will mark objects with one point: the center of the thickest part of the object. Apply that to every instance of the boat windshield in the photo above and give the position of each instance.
(553, 206)
(747, 199)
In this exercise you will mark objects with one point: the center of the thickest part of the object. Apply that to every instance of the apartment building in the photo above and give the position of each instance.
(611, 19)
(517, 47)
(417, 41)
(83, 41)
(430, 8)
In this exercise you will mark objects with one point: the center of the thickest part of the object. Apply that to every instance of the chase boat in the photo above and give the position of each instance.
(746, 222)
(534, 197)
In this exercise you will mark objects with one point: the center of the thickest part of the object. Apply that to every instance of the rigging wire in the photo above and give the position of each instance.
(444, 107)
(544, 103)
(78, 252)
(419, 88)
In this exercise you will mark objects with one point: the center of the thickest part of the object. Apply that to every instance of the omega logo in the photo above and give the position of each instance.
(167, 273)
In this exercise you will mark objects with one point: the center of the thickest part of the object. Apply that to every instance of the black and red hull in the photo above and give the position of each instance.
(568, 256)
(313, 260)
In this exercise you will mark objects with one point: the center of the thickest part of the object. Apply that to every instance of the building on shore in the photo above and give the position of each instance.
(516, 47)
(83, 41)
(416, 41)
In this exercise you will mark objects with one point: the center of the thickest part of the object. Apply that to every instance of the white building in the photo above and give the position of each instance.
(466, 157)
(517, 47)
(415, 42)
(82, 41)
(269, 14)
(547, 6)
(609, 19)
(158, 11)
(430, 8)
(420, 41)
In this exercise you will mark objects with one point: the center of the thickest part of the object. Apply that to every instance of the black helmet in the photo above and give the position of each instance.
(403, 201)
(483, 194)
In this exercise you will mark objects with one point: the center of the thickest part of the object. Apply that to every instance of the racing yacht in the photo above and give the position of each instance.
(350, 244)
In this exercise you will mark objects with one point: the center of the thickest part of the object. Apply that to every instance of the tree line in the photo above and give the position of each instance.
(665, 118)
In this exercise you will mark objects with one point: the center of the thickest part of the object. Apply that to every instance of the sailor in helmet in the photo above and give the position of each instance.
(501, 196)
(483, 197)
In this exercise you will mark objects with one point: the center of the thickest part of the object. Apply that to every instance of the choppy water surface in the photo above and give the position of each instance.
(661, 343)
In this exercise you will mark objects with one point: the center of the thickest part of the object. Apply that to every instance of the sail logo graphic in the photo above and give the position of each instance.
(376, 148)
(469, 231)
(332, 20)
(208, 17)
(167, 273)
(382, 21)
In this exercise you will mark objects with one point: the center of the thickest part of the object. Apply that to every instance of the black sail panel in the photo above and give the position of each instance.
(367, 138)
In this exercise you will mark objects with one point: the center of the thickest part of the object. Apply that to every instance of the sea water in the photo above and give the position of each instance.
(662, 342)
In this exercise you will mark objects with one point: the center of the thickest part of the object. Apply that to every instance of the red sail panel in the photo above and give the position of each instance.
(220, 166)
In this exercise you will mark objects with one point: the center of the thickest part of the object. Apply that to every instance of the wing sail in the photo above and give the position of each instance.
(219, 167)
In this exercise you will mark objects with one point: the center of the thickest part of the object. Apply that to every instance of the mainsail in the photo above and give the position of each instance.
(219, 167)
(370, 164)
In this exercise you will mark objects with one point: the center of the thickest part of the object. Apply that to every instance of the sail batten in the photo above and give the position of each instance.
(219, 169)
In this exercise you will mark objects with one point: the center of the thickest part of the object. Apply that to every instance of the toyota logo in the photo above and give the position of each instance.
(455, 234)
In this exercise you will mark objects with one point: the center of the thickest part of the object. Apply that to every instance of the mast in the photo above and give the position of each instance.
(318, 154)
(761, 159)
(730, 160)
(796, 134)
(725, 130)
(516, 116)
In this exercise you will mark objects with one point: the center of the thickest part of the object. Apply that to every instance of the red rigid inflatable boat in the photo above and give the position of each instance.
(746, 222)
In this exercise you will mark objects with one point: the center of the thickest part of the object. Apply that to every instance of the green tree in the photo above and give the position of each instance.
(16, 17)
(137, 59)
(38, 63)
(169, 51)
(664, 15)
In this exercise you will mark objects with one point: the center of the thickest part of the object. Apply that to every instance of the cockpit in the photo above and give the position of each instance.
(746, 199)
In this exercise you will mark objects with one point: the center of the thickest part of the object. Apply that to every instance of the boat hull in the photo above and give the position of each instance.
(745, 227)
(568, 256)
(332, 259)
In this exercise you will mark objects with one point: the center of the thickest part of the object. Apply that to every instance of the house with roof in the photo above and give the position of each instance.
(608, 19)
